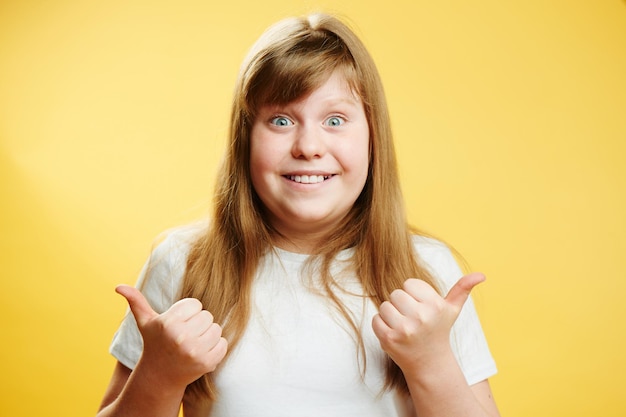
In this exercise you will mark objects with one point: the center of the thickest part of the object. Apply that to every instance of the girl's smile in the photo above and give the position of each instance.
(309, 159)
(308, 178)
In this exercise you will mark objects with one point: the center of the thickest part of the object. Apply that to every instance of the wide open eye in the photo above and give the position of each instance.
(281, 121)
(334, 121)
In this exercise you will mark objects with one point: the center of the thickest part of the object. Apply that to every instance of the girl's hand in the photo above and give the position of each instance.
(181, 344)
(413, 327)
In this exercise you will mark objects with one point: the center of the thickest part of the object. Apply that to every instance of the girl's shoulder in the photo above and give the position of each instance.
(162, 274)
(180, 238)
(438, 258)
(176, 242)
(430, 248)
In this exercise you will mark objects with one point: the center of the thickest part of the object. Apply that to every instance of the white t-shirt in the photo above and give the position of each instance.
(298, 357)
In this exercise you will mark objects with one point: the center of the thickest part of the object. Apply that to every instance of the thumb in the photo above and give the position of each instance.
(138, 304)
(461, 290)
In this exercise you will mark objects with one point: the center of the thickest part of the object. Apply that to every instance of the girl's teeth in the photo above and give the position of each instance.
(307, 179)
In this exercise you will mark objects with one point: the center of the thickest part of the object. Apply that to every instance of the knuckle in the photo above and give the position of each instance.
(207, 316)
(386, 308)
(395, 294)
(410, 282)
(217, 329)
(193, 303)
(407, 330)
(180, 340)
(413, 285)
(215, 356)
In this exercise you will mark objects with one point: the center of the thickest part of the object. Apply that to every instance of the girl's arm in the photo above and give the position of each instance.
(446, 393)
(414, 329)
(180, 346)
(130, 394)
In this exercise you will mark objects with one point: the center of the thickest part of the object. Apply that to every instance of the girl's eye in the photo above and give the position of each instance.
(334, 121)
(281, 121)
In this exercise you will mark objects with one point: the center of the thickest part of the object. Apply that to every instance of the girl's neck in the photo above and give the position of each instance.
(308, 245)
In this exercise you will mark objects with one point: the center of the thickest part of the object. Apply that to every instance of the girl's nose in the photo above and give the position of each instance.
(308, 143)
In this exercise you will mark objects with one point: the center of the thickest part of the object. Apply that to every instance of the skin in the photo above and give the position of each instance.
(324, 134)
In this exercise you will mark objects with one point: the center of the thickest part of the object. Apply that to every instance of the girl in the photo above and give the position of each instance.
(330, 304)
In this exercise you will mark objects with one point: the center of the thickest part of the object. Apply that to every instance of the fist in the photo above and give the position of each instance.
(414, 325)
(181, 344)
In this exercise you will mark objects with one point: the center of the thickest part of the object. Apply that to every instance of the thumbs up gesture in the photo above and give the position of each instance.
(181, 344)
(414, 325)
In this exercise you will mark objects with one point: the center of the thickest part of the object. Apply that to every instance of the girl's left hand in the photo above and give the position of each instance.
(413, 327)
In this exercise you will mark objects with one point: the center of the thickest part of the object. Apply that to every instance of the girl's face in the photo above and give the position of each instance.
(309, 161)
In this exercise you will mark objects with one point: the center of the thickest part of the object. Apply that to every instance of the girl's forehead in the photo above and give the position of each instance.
(334, 89)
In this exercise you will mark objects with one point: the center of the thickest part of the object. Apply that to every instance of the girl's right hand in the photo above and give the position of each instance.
(180, 345)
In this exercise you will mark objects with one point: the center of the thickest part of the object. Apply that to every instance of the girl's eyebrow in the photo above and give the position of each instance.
(353, 101)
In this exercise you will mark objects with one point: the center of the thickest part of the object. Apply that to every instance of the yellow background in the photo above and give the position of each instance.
(510, 119)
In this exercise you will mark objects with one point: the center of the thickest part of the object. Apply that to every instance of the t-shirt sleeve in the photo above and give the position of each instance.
(160, 281)
(467, 337)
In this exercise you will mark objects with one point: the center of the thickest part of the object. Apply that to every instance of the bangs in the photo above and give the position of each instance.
(297, 67)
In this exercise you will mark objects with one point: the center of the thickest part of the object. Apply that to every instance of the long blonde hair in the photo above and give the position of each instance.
(290, 60)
